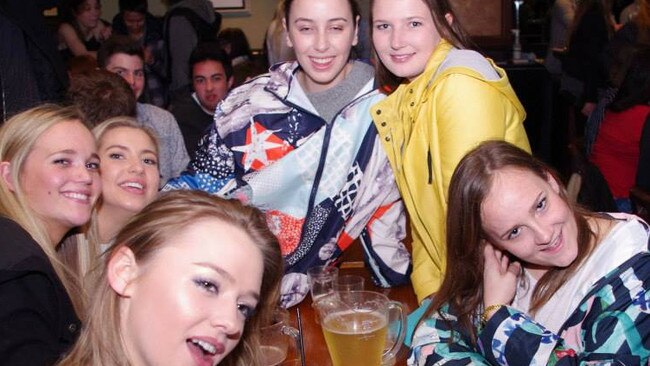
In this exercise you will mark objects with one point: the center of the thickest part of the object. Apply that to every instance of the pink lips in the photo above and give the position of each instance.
(401, 58)
(321, 65)
(202, 358)
(557, 246)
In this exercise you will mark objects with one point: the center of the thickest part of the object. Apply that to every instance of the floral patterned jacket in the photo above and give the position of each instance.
(611, 326)
(321, 184)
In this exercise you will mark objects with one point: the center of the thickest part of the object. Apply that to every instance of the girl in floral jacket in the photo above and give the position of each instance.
(533, 280)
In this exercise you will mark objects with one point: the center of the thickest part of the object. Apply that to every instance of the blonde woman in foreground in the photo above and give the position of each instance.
(49, 182)
(189, 281)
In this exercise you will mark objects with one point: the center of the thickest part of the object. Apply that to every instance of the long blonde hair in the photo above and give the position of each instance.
(17, 138)
(87, 244)
(100, 343)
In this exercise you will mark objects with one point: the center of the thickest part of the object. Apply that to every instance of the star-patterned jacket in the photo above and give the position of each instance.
(322, 184)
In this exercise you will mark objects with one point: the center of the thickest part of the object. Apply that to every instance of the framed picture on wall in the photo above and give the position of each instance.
(234, 5)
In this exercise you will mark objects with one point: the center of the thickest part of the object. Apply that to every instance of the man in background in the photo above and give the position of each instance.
(124, 57)
(212, 77)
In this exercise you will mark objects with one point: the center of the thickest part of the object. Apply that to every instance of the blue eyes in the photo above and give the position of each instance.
(514, 233)
(207, 286)
(62, 162)
(210, 287)
(540, 206)
(91, 165)
(246, 310)
(411, 24)
(148, 161)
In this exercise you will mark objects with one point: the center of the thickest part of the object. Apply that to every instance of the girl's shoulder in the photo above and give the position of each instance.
(17, 248)
(468, 59)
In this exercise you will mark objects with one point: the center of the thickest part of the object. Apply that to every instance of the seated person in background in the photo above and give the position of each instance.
(49, 181)
(616, 149)
(130, 180)
(211, 80)
(532, 279)
(189, 280)
(124, 57)
(135, 21)
(300, 144)
(82, 31)
(245, 67)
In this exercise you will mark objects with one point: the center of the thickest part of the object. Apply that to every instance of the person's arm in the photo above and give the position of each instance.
(439, 341)
(613, 324)
(468, 111)
(380, 223)
(28, 321)
(210, 169)
(69, 36)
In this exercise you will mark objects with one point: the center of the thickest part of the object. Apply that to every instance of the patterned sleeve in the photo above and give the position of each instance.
(612, 324)
(211, 168)
(438, 341)
(380, 223)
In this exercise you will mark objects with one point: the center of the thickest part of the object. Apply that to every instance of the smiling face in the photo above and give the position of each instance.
(187, 305)
(130, 68)
(129, 170)
(404, 35)
(210, 83)
(322, 33)
(60, 177)
(88, 14)
(524, 215)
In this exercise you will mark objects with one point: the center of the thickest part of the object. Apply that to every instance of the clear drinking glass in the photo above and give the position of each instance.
(322, 280)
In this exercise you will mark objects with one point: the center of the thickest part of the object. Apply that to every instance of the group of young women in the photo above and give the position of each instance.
(516, 274)
(183, 282)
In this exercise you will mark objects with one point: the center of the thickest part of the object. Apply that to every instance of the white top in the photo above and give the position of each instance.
(625, 240)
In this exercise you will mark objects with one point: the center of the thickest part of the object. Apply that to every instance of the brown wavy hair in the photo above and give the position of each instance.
(100, 342)
(462, 287)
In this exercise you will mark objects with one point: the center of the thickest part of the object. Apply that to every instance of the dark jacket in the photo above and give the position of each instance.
(37, 320)
(192, 120)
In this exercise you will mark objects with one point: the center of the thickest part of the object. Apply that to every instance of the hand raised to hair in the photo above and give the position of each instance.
(499, 276)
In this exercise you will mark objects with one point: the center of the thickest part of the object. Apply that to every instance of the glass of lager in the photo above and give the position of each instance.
(356, 327)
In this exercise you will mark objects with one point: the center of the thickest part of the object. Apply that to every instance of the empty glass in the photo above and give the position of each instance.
(349, 283)
(322, 280)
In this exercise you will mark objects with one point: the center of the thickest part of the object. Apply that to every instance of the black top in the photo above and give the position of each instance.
(37, 320)
(192, 120)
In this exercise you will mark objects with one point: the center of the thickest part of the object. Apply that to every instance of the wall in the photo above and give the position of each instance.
(254, 23)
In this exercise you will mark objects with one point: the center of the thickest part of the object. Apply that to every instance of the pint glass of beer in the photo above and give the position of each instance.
(355, 325)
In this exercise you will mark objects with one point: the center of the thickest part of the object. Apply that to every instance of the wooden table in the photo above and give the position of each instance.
(316, 353)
